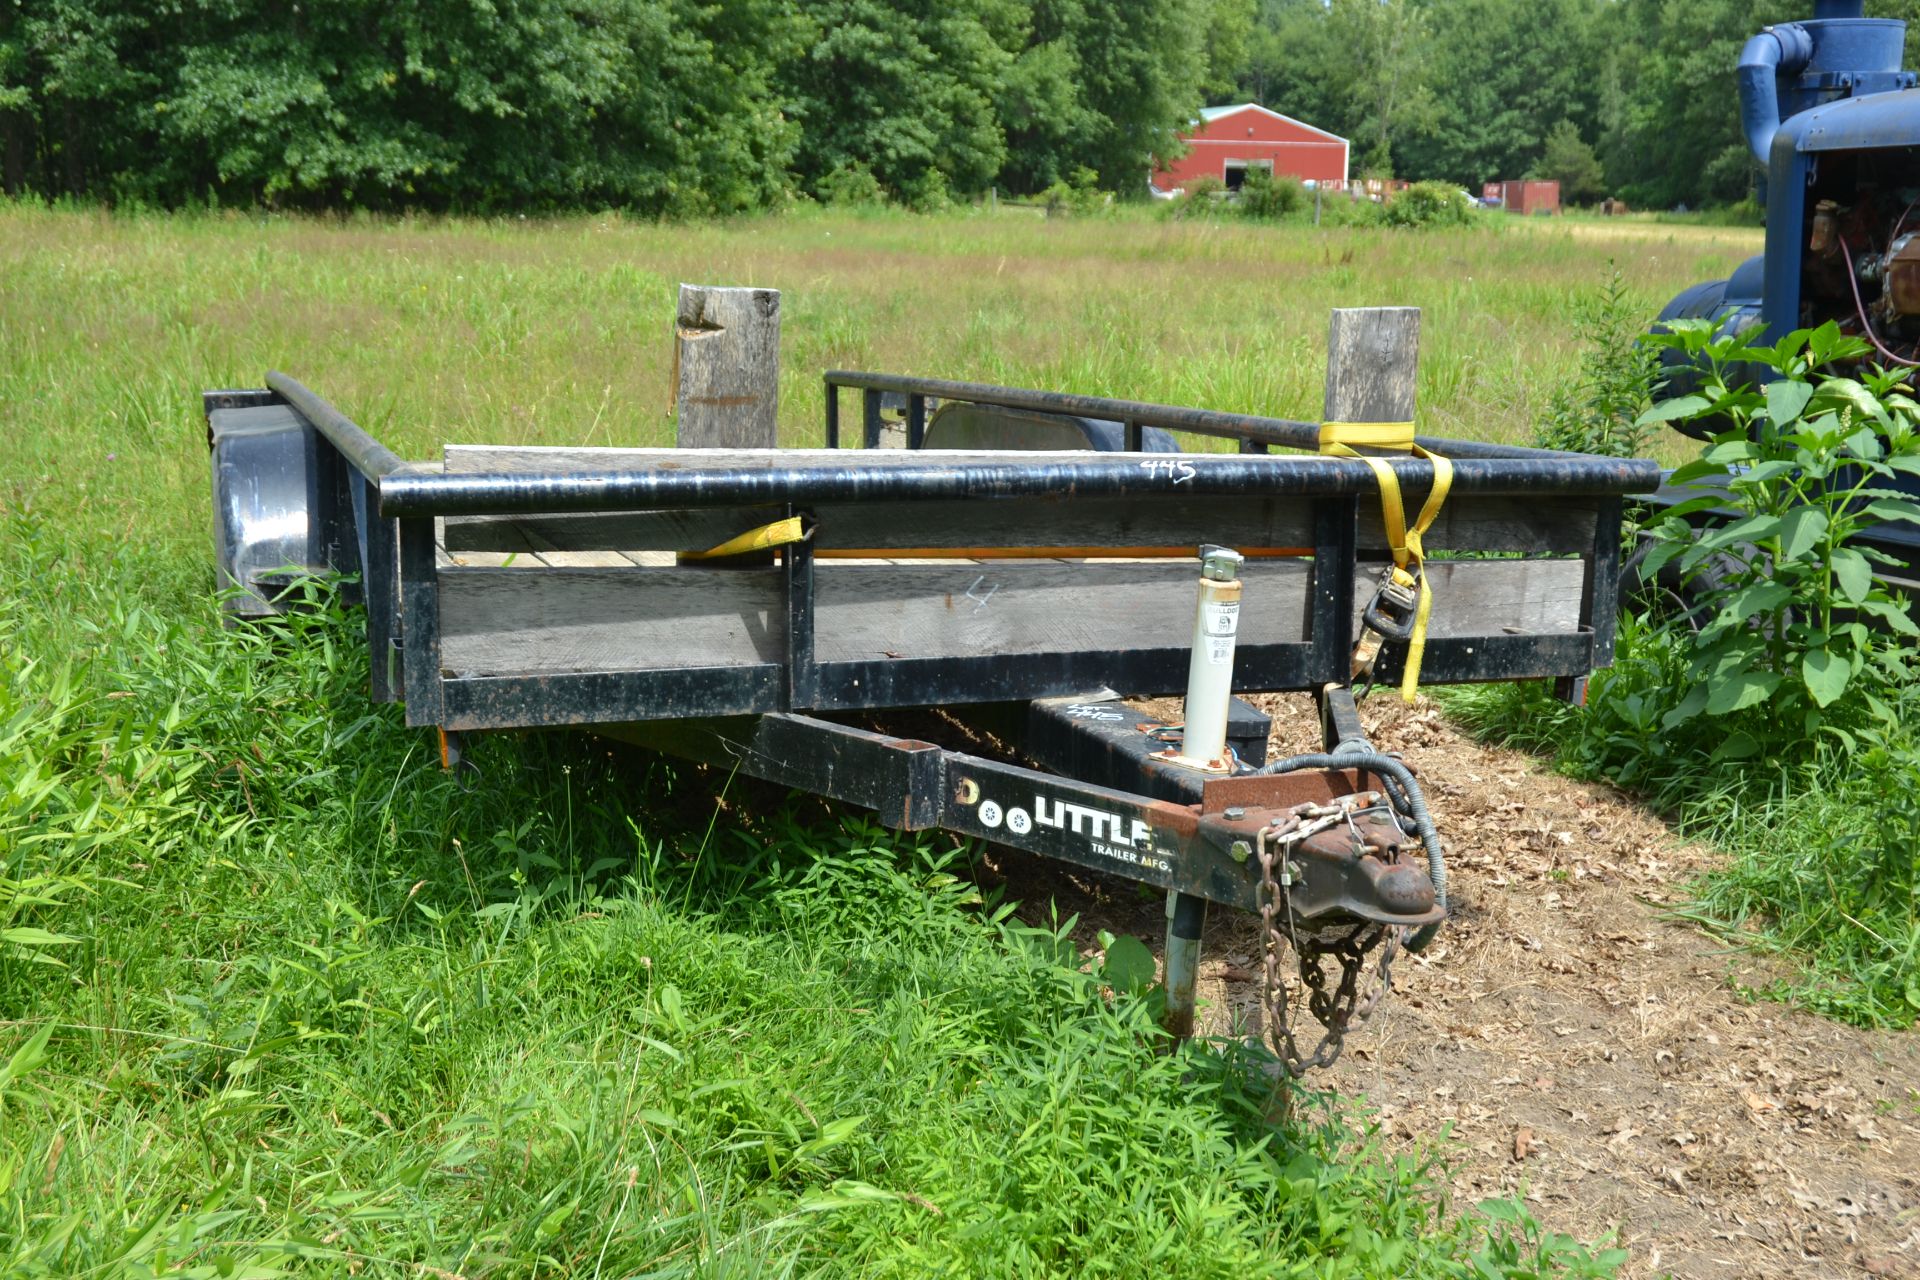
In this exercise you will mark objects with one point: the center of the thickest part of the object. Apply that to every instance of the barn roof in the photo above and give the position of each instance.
(1209, 114)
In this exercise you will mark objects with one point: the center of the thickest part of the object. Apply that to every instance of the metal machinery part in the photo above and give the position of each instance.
(1835, 125)
(1834, 122)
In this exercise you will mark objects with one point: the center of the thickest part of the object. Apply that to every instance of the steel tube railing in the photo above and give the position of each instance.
(1287, 432)
(365, 454)
(1253, 476)
(406, 490)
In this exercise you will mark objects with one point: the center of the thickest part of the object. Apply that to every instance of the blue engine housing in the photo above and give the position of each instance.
(1828, 112)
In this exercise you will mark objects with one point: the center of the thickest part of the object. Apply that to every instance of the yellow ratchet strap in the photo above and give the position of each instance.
(1344, 439)
(777, 534)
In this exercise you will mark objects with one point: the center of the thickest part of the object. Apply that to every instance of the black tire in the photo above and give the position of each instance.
(1667, 594)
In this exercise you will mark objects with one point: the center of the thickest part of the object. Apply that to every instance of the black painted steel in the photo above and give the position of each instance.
(935, 682)
(870, 420)
(916, 421)
(1287, 432)
(367, 455)
(334, 518)
(901, 779)
(421, 493)
(602, 697)
(380, 582)
(420, 606)
(1335, 536)
(803, 673)
(1340, 725)
(1112, 744)
(1481, 659)
(1599, 604)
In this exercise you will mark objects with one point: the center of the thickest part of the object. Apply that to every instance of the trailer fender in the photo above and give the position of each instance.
(264, 491)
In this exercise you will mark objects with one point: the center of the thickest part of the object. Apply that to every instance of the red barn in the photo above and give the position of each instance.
(1227, 141)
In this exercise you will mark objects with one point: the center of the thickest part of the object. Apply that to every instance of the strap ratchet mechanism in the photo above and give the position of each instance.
(1403, 603)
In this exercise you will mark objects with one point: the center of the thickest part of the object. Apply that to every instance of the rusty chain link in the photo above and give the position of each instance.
(1339, 1010)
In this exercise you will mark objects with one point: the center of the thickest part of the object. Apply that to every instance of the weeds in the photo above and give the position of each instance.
(314, 1008)
(1264, 196)
(1776, 719)
(277, 996)
(1598, 409)
(1800, 631)
(1429, 204)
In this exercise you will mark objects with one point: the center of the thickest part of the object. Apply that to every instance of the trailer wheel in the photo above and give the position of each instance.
(1669, 594)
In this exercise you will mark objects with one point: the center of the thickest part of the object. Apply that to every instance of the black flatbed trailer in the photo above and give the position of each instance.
(514, 588)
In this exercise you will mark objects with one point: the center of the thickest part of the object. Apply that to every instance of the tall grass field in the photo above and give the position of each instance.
(279, 997)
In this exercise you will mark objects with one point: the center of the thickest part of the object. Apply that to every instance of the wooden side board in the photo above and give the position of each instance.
(511, 621)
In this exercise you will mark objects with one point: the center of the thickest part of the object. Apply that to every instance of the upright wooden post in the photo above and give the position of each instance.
(1373, 356)
(726, 368)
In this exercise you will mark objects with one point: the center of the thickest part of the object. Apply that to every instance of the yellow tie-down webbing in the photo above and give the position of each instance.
(1344, 439)
(777, 534)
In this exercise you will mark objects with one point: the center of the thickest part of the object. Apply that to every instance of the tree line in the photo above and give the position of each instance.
(692, 107)
(1632, 98)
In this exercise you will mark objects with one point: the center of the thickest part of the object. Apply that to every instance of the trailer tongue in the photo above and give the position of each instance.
(773, 610)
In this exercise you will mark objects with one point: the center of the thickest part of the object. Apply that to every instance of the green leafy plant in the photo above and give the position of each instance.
(1800, 631)
(1204, 197)
(1598, 409)
(1269, 198)
(851, 186)
(1776, 716)
(1429, 204)
(1078, 195)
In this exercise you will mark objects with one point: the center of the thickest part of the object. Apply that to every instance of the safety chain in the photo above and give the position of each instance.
(1342, 1008)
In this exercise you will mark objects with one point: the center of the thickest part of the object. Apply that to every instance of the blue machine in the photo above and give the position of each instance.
(1835, 122)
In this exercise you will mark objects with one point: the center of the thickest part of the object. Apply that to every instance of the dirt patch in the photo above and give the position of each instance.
(1588, 1053)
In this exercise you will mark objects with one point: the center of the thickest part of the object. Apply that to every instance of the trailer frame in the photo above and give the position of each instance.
(1091, 784)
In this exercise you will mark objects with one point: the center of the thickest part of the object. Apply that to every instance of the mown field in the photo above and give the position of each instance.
(275, 995)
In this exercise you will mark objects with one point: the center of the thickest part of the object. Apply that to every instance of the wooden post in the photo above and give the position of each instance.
(726, 368)
(1372, 358)
(1373, 355)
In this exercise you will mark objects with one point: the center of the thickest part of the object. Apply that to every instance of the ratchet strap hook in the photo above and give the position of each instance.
(1403, 602)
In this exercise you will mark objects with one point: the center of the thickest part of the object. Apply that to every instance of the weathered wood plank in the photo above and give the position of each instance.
(727, 367)
(865, 612)
(1494, 597)
(513, 621)
(1550, 524)
(1080, 522)
(1372, 359)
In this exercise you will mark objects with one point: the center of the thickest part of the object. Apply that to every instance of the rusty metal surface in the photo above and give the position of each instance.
(1903, 278)
(1284, 790)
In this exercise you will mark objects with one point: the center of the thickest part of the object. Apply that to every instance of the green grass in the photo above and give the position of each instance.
(277, 995)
